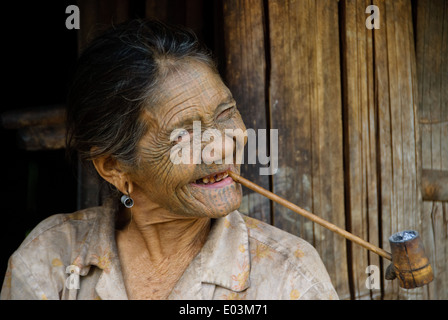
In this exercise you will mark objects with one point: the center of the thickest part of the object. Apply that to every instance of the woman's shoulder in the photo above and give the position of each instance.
(60, 227)
(37, 269)
(61, 239)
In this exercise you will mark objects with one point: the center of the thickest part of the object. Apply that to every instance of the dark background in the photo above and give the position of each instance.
(39, 55)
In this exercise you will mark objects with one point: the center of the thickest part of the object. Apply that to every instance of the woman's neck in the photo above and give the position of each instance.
(165, 237)
(155, 248)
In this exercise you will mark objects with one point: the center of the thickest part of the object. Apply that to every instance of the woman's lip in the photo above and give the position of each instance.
(216, 173)
(224, 182)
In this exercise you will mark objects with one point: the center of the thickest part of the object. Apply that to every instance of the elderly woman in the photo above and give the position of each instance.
(176, 233)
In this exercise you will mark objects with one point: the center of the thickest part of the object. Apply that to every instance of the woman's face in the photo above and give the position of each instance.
(192, 97)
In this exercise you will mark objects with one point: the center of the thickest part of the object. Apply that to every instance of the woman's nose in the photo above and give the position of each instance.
(220, 147)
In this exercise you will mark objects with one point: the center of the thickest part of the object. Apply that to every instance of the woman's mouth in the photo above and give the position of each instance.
(216, 180)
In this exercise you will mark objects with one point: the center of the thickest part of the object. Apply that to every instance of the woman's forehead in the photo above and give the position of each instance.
(190, 85)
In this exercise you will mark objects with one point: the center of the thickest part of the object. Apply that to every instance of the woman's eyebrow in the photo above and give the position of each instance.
(184, 120)
(197, 117)
(226, 102)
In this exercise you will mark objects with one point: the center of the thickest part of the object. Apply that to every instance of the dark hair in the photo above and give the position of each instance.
(116, 77)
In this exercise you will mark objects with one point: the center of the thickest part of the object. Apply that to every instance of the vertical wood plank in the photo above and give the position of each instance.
(245, 76)
(398, 132)
(432, 70)
(359, 140)
(305, 107)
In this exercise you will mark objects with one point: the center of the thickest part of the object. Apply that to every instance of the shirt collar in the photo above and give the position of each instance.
(225, 256)
(99, 249)
(224, 259)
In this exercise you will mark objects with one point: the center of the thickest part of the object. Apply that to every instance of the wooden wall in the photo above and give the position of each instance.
(347, 102)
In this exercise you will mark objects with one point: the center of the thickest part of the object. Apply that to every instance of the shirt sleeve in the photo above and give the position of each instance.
(19, 282)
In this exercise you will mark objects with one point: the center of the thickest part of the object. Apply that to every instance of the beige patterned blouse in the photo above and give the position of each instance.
(74, 256)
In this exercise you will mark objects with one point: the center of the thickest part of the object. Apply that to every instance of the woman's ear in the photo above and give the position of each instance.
(111, 171)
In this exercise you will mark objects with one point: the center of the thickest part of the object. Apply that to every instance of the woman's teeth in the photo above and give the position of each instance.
(213, 179)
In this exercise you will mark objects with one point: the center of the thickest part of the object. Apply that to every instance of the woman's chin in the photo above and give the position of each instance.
(217, 202)
(221, 213)
(215, 212)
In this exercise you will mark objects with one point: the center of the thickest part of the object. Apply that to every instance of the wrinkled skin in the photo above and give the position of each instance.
(192, 93)
(171, 216)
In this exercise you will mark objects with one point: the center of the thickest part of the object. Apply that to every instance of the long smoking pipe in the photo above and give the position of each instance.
(409, 262)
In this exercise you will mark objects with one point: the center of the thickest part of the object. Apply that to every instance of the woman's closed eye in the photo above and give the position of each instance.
(180, 136)
(226, 114)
